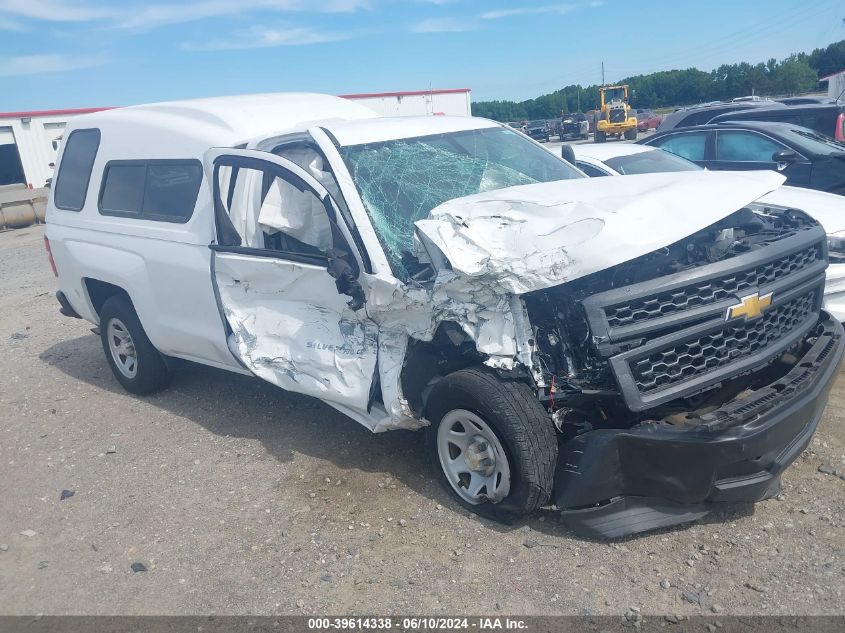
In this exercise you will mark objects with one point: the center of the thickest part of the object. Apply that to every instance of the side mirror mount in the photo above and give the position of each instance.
(567, 153)
(784, 157)
(345, 278)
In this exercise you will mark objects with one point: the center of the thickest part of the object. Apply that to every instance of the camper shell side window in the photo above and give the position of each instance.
(158, 190)
(71, 186)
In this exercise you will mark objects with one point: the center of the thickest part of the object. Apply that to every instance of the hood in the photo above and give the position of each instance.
(531, 237)
(828, 209)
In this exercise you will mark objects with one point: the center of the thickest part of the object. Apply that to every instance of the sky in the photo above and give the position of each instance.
(86, 53)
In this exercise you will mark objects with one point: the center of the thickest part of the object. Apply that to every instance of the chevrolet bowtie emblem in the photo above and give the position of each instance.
(751, 307)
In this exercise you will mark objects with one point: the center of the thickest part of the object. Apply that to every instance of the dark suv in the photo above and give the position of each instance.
(701, 114)
(825, 118)
(806, 158)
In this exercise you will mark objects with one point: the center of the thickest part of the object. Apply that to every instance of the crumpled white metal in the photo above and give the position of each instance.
(536, 236)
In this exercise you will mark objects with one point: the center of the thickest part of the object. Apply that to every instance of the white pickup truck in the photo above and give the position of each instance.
(632, 350)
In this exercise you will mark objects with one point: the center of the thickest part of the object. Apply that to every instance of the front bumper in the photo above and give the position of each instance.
(612, 483)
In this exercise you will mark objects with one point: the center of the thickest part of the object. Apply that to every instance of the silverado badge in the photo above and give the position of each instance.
(751, 307)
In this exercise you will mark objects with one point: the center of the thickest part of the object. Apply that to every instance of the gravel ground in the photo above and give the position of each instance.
(232, 497)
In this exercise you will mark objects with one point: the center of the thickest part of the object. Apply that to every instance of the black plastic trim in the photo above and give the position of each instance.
(639, 401)
(65, 308)
(300, 258)
(685, 325)
(615, 482)
(595, 305)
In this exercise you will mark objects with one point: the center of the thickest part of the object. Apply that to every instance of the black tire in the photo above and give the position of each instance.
(521, 425)
(600, 137)
(631, 135)
(152, 373)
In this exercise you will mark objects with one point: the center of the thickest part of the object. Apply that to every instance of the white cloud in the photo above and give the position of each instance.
(55, 10)
(152, 16)
(45, 63)
(144, 16)
(559, 9)
(7, 24)
(443, 25)
(264, 37)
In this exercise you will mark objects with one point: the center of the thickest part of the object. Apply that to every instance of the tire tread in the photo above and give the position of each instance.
(527, 427)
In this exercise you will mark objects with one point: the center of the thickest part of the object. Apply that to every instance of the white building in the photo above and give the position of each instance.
(26, 144)
(835, 84)
(452, 102)
(27, 150)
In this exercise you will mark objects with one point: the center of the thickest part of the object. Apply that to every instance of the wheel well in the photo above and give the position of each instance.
(426, 362)
(100, 291)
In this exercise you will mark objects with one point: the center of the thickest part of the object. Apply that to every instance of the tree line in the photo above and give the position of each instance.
(800, 72)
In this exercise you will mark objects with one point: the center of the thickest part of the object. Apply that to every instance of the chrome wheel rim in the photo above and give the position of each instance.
(472, 458)
(122, 348)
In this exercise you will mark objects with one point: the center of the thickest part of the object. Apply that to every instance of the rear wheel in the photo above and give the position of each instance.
(631, 135)
(136, 364)
(601, 137)
(493, 444)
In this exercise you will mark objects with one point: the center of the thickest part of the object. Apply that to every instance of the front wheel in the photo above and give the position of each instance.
(601, 137)
(492, 443)
(631, 135)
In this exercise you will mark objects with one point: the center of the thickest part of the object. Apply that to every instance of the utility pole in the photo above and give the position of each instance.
(602, 73)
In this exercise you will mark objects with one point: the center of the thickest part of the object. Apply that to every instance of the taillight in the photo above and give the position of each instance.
(839, 135)
(50, 256)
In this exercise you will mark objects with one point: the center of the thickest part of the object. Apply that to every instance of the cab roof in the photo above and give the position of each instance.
(220, 121)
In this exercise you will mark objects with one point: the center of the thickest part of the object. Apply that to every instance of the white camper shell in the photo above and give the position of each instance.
(394, 268)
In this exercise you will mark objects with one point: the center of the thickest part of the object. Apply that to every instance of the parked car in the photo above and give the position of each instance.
(574, 126)
(826, 116)
(827, 208)
(538, 130)
(806, 158)
(451, 274)
(704, 113)
(806, 100)
(827, 119)
(648, 120)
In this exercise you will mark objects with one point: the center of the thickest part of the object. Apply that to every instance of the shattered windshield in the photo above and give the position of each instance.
(401, 181)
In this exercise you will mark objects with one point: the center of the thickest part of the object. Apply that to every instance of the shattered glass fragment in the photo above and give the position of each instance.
(401, 181)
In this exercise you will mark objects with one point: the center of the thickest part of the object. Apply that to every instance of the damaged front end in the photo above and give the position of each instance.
(668, 325)
(691, 375)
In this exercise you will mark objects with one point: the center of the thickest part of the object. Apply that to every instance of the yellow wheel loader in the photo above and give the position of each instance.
(615, 118)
